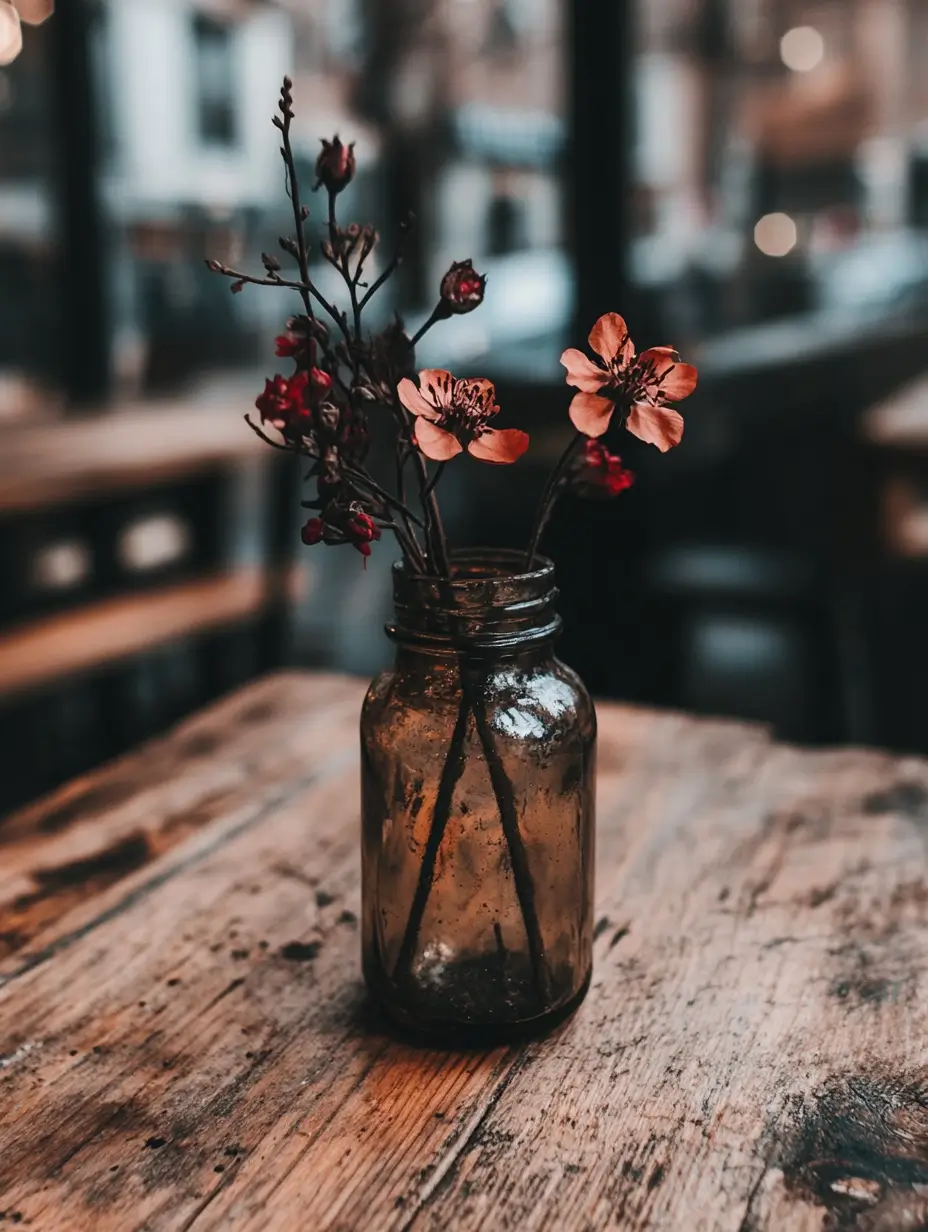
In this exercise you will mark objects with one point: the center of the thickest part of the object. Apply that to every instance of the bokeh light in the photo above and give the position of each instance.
(11, 34)
(802, 49)
(775, 235)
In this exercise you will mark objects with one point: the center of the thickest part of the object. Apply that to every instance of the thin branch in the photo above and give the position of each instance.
(338, 317)
(391, 265)
(393, 501)
(433, 482)
(439, 313)
(294, 194)
(549, 498)
(269, 440)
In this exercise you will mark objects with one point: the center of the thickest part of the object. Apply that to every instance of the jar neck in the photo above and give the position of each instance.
(489, 607)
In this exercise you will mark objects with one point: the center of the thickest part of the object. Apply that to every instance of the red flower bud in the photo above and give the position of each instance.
(462, 288)
(313, 531)
(335, 165)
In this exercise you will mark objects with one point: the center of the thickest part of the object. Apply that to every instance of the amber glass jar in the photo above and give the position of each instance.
(478, 769)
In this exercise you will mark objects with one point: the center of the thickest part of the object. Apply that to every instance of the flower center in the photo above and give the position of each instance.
(467, 416)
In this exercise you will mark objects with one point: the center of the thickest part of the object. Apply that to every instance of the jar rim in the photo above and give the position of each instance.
(490, 603)
(480, 565)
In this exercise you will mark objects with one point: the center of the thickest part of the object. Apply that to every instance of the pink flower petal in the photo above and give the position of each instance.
(582, 373)
(657, 425)
(413, 400)
(435, 442)
(437, 386)
(609, 338)
(479, 391)
(674, 380)
(499, 445)
(590, 414)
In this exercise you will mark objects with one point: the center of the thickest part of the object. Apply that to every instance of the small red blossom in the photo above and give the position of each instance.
(462, 288)
(361, 530)
(453, 414)
(313, 531)
(335, 165)
(287, 346)
(601, 473)
(282, 403)
(641, 386)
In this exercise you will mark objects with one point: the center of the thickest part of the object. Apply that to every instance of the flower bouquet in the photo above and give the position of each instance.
(478, 746)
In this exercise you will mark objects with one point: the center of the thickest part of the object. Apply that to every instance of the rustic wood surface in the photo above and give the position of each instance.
(185, 1042)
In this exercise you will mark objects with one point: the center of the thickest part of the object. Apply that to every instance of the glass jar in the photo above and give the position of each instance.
(478, 782)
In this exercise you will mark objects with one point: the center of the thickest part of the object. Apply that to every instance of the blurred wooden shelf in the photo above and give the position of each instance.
(55, 463)
(113, 630)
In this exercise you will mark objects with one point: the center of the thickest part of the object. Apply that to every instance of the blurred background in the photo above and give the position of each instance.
(744, 179)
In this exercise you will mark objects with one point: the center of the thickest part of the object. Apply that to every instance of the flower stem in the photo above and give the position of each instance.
(472, 703)
(451, 772)
(549, 498)
(438, 314)
(294, 184)
(433, 482)
(518, 856)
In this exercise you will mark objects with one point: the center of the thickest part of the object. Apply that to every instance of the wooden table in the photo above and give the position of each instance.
(185, 1042)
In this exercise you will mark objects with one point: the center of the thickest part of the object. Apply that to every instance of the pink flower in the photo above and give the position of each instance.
(453, 414)
(282, 402)
(462, 288)
(642, 387)
(600, 473)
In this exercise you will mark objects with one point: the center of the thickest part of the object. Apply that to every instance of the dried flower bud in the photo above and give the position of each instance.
(462, 288)
(327, 417)
(215, 266)
(335, 165)
(270, 263)
(370, 238)
(237, 287)
(290, 246)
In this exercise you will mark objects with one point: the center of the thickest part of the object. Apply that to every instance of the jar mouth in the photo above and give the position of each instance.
(490, 603)
(485, 564)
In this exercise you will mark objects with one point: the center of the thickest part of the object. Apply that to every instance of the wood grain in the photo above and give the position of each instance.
(188, 1045)
(65, 645)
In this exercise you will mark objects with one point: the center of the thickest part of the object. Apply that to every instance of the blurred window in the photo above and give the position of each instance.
(780, 160)
(458, 111)
(215, 73)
